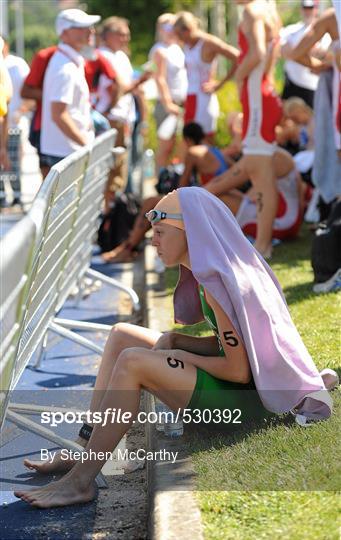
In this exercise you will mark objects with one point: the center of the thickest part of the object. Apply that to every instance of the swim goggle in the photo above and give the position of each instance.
(154, 216)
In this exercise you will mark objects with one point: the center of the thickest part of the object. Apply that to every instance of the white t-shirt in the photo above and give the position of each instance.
(18, 70)
(176, 74)
(65, 82)
(298, 74)
(124, 110)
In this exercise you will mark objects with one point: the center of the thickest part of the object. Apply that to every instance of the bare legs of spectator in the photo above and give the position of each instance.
(260, 170)
(118, 175)
(163, 153)
(126, 252)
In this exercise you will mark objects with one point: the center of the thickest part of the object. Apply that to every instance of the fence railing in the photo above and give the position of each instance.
(42, 259)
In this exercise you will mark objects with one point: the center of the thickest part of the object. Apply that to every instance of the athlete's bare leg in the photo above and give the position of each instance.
(260, 170)
(122, 336)
(125, 251)
(163, 153)
(135, 368)
(233, 200)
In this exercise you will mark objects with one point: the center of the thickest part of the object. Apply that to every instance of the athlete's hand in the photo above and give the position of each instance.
(173, 108)
(320, 66)
(209, 87)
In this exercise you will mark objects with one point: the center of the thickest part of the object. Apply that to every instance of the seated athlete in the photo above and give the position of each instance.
(204, 160)
(291, 191)
(254, 360)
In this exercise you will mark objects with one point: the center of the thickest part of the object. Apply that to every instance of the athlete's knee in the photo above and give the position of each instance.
(131, 360)
(120, 334)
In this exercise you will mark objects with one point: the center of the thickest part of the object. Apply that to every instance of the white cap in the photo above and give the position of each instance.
(74, 18)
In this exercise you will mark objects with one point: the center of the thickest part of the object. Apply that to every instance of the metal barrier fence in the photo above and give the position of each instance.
(42, 258)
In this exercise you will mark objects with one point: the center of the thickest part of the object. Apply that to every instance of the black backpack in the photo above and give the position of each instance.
(326, 248)
(116, 225)
(168, 180)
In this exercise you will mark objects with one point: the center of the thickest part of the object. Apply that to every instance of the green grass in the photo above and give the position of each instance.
(276, 480)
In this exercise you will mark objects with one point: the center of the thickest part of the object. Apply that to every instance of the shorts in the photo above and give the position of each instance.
(160, 115)
(204, 110)
(213, 393)
(286, 225)
(293, 90)
(48, 161)
(262, 112)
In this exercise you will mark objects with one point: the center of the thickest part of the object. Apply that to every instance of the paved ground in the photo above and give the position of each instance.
(65, 379)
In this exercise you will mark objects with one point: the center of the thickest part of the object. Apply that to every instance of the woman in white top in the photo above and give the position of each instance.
(171, 79)
(201, 53)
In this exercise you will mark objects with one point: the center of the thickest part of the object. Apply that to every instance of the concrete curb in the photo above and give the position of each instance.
(173, 509)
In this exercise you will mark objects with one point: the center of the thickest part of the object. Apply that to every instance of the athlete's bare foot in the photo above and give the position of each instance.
(58, 465)
(65, 492)
(266, 253)
(121, 254)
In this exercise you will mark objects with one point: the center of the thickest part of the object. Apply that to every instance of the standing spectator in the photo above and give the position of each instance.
(18, 70)
(262, 110)
(171, 79)
(115, 35)
(299, 80)
(201, 54)
(66, 117)
(33, 89)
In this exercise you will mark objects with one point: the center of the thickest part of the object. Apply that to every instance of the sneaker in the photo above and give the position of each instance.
(333, 284)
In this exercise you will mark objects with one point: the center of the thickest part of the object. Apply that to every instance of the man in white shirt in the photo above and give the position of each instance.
(66, 118)
(299, 80)
(115, 35)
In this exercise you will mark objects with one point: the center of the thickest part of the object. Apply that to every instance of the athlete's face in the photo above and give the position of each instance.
(171, 244)
(183, 34)
(309, 14)
(299, 116)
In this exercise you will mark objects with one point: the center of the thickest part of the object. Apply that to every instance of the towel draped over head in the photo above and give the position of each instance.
(231, 270)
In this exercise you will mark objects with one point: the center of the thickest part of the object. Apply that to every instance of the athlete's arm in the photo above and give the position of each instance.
(207, 346)
(190, 163)
(161, 82)
(256, 37)
(212, 48)
(237, 367)
(325, 24)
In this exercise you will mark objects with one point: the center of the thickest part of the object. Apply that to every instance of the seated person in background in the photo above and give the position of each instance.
(206, 160)
(297, 126)
(290, 202)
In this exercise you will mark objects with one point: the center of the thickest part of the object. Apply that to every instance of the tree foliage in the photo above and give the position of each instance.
(142, 16)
